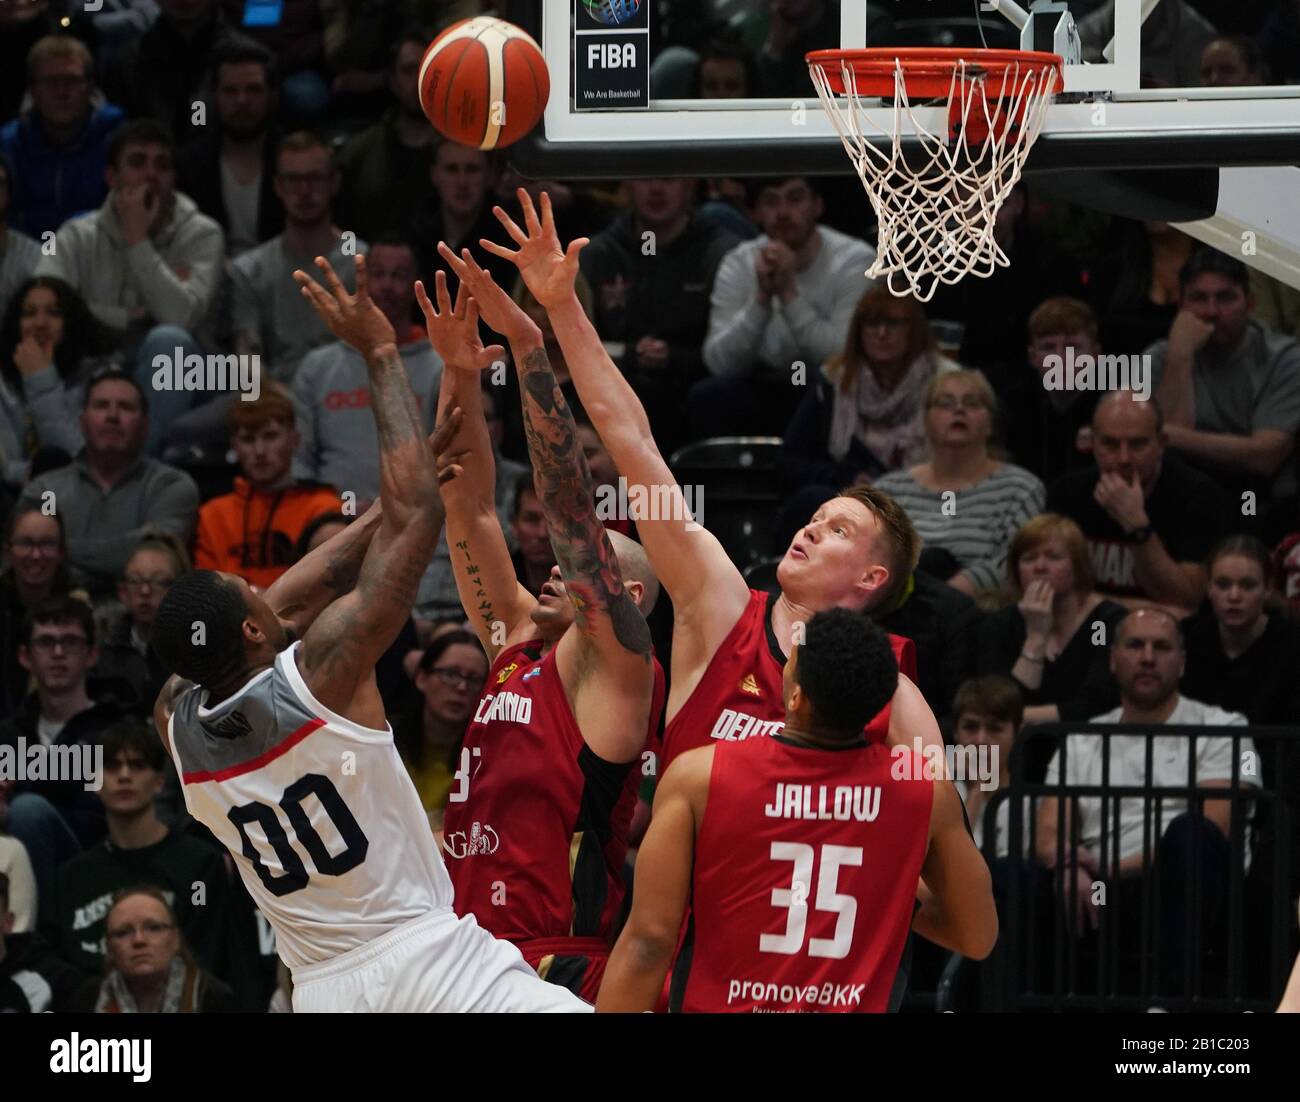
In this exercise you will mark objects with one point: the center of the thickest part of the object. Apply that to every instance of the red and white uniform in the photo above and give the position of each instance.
(806, 867)
(740, 695)
(327, 832)
(535, 833)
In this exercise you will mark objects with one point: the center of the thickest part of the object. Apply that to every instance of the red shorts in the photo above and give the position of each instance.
(574, 963)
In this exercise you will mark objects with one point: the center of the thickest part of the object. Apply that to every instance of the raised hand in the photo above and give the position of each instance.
(32, 356)
(1036, 609)
(548, 269)
(137, 207)
(498, 309)
(453, 331)
(1189, 334)
(1122, 499)
(354, 319)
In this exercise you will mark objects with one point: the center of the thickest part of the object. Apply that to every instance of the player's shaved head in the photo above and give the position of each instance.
(634, 566)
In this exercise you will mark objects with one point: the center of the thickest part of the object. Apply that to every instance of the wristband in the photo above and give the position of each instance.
(1140, 535)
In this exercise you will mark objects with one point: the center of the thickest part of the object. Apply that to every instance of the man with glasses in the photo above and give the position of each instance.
(270, 317)
(53, 818)
(128, 666)
(140, 849)
(58, 148)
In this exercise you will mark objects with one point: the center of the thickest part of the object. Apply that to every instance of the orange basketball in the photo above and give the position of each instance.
(483, 83)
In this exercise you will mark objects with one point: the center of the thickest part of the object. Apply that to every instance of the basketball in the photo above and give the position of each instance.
(484, 83)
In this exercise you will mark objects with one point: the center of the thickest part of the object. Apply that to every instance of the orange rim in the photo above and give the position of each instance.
(927, 71)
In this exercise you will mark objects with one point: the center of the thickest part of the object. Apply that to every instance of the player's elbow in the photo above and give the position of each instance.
(650, 945)
(650, 949)
(978, 938)
(979, 926)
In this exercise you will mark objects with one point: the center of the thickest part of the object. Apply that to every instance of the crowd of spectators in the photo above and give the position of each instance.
(164, 170)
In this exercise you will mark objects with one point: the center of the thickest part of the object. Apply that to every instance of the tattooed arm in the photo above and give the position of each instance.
(606, 662)
(303, 591)
(340, 649)
(496, 604)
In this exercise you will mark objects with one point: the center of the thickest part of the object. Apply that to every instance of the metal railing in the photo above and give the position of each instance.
(1048, 960)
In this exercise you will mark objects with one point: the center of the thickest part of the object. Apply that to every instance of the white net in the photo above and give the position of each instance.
(937, 207)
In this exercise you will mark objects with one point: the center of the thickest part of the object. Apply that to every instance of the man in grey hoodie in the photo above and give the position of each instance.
(148, 263)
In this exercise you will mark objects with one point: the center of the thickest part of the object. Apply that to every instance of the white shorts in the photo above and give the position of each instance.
(437, 964)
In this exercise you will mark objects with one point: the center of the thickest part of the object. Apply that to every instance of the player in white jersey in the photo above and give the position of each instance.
(279, 735)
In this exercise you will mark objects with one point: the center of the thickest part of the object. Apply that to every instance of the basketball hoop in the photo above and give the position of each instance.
(936, 208)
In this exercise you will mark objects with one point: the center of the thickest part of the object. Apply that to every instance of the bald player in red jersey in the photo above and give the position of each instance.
(536, 828)
(729, 642)
(799, 853)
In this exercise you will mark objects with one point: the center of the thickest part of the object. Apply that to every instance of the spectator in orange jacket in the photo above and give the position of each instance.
(253, 531)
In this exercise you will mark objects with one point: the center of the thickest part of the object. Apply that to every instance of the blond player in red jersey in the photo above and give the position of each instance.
(857, 551)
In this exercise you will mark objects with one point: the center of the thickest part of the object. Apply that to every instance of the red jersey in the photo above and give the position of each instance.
(740, 694)
(536, 827)
(806, 868)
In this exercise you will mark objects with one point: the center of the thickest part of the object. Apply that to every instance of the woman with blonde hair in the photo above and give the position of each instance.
(148, 967)
(1055, 640)
(128, 666)
(964, 500)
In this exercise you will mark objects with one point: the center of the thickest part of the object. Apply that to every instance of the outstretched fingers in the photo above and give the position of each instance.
(575, 247)
(511, 227)
(511, 255)
(422, 297)
(444, 297)
(548, 215)
(530, 213)
(314, 293)
(332, 281)
(457, 265)
(363, 279)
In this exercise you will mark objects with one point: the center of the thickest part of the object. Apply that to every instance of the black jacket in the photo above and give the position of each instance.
(805, 460)
(164, 72)
(198, 175)
(667, 293)
(80, 807)
(123, 673)
(33, 980)
(942, 622)
(1038, 436)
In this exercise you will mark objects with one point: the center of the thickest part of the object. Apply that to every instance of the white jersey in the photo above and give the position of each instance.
(317, 811)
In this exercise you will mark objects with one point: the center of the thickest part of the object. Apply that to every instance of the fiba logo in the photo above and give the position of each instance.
(612, 12)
